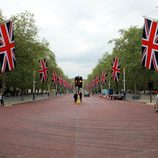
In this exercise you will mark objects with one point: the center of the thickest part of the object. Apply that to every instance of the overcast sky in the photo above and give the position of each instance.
(79, 30)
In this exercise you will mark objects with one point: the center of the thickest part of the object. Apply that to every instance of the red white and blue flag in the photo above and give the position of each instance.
(150, 45)
(54, 78)
(43, 70)
(7, 47)
(96, 80)
(60, 80)
(103, 77)
(115, 69)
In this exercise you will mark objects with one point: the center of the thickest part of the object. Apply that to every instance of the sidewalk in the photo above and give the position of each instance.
(13, 100)
(9, 101)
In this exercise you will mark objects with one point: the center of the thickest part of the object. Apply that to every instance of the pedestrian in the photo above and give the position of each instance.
(156, 105)
(81, 96)
(1, 99)
(75, 97)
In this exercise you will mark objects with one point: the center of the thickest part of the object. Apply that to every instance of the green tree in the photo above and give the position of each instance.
(128, 49)
(28, 51)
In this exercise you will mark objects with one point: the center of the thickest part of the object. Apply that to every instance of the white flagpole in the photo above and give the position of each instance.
(124, 80)
(48, 90)
(34, 86)
(109, 84)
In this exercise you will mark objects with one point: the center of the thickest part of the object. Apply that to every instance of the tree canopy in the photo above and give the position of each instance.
(29, 49)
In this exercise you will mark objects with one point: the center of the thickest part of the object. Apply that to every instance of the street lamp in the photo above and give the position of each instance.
(34, 85)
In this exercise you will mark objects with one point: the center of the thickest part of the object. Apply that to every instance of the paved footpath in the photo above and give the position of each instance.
(97, 128)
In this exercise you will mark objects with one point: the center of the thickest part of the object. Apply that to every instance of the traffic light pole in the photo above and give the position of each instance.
(150, 96)
(124, 80)
(150, 86)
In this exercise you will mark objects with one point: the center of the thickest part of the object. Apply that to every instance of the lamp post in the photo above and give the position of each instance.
(48, 90)
(124, 80)
(34, 85)
(150, 86)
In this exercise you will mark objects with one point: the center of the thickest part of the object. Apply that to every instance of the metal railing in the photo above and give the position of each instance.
(141, 97)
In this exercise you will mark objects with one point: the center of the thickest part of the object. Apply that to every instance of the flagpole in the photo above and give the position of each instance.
(96, 89)
(56, 88)
(124, 80)
(34, 82)
(48, 90)
(3, 88)
(101, 87)
(109, 84)
(3, 83)
(117, 87)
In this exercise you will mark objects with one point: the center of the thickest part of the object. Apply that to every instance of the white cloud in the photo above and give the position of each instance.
(77, 69)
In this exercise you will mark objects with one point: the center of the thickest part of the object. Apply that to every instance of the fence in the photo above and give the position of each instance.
(19, 99)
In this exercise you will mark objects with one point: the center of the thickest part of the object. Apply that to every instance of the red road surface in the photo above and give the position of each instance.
(97, 128)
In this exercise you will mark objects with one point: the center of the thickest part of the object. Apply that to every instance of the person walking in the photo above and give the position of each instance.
(156, 105)
(1, 99)
(81, 96)
(75, 97)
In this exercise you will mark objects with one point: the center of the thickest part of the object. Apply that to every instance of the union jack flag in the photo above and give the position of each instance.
(97, 80)
(7, 47)
(60, 80)
(43, 70)
(103, 77)
(115, 69)
(64, 83)
(150, 45)
(54, 77)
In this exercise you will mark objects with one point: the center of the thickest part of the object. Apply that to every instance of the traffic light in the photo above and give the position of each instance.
(78, 81)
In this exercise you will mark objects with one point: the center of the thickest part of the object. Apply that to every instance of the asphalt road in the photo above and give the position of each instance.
(96, 128)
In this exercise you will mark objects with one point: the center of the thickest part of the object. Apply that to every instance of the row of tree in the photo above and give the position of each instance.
(128, 49)
(29, 49)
